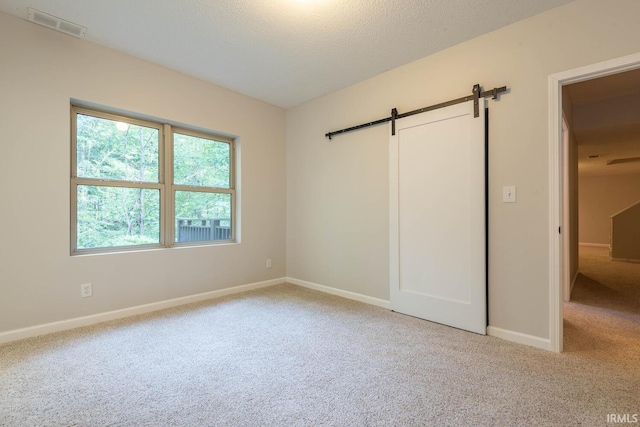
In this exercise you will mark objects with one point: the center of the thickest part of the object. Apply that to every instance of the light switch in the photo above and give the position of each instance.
(509, 194)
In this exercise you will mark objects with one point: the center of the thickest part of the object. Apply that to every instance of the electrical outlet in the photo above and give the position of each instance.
(86, 290)
(269, 263)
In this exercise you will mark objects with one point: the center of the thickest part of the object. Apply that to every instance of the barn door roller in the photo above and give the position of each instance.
(476, 94)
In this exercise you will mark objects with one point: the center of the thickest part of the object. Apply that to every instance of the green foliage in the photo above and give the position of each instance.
(195, 205)
(198, 206)
(106, 152)
(200, 162)
(110, 216)
(117, 216)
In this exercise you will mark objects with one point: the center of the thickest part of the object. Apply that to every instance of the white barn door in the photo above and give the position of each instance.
(437, 217)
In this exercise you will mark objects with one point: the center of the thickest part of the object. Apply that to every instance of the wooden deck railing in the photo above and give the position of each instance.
(197, 230)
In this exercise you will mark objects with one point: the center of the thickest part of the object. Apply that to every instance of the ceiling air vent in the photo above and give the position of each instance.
(627, 160)
(56, 23)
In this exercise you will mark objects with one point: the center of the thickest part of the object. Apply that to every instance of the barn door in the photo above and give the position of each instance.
(437, 217)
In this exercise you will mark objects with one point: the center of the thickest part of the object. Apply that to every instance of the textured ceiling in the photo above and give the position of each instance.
(284, 52)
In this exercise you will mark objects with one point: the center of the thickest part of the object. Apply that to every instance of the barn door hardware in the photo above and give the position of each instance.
(476, 94)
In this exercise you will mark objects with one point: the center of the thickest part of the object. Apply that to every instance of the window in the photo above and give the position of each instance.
(141, 184)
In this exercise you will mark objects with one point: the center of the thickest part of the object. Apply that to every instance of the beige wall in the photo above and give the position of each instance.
(625, 234)
(337, 191)
(40, 71)
(601, 197)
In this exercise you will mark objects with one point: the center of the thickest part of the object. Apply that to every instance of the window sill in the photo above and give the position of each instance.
(120, 251)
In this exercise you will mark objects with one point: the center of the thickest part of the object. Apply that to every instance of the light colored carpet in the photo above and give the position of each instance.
(602, 320)
(288, 356)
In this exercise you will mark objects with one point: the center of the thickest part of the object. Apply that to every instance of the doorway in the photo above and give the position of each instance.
(600, 317)
(561, 258)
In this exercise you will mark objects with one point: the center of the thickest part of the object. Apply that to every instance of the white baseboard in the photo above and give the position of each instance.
(77, 322)
(340, 292)
(636, 261)
(595, 245)
(520, 338)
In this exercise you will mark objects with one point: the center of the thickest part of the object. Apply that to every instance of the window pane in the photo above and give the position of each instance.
(200, 162)
(202, 216)
(116, 216)
(107, 149)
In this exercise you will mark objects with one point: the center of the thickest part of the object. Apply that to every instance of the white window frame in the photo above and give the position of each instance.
(164, 185)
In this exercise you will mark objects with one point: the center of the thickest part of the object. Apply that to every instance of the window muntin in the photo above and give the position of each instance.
(123, 193)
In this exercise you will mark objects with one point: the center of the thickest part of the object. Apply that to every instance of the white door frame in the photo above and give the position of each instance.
(557, 164)
(566, 219)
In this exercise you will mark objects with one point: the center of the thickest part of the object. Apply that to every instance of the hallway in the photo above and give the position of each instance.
(602, 320)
